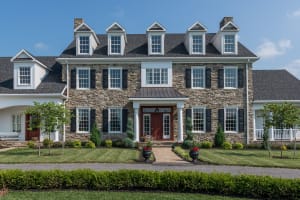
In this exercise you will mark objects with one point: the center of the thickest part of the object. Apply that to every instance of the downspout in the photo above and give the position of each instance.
(247, 103)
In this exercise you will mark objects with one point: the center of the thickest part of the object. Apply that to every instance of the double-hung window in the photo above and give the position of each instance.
(83, 120)
(115, 120)
(24, 76)
(115, 44)
(230, 77)
(115, 78)
(84, 44)
(229, 43)
(198, 119)
(156, 76)
(156, 44)
(231, 119)
(198, 77)
(83, 78)
(197, 44)
(16, 123)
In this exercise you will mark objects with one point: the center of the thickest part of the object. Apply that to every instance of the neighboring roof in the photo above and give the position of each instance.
(158, 92)
(137, 47)
(275, 85)
(51, 84)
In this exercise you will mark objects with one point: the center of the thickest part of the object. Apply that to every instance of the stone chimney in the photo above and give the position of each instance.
(225, 20)
(77, 22)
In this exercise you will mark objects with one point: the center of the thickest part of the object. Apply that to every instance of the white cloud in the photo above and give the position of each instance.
(295, 13)
(269, 49)
(40, 46)
(294, 67)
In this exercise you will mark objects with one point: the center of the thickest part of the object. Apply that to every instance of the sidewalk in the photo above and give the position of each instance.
(165, 155)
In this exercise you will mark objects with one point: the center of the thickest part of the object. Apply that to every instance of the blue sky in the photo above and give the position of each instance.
(271, 29)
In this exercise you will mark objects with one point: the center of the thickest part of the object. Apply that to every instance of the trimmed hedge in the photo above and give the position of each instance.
(188, 181)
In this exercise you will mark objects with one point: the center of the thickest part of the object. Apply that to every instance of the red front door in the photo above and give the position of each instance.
(157, 126)
(31, 134)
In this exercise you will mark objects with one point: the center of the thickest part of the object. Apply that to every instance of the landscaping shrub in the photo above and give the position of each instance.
(31, 144)
(95, 135)
(206, 145)
(128, 143)
(219, 137)
(76, 144)
(237, 145)
(47, 142)
(90, 145)
(187, 144)
(283, 147)
(254, 146)
(57, 145)
(258, 187)
(129, 128)
(68, 143)
(108, 143)
(117, 143)
(227, 145)
(291, 146)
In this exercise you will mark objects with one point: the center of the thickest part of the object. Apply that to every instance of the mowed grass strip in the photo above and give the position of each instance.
(249, 157)
(91, 195)
(70, 155)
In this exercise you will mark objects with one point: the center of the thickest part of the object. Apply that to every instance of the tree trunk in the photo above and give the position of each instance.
(49, 143)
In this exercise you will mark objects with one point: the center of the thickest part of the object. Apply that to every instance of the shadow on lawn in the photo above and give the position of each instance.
(228, 153)
(30, 152)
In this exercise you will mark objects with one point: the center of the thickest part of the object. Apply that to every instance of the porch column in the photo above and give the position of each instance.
(180, 106)
(136, 107)
(272, 133)
(56, 134)
(291, 134)
(254, 125)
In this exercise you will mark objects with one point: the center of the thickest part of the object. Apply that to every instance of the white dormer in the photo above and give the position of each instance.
(226, 40)
(195, 39)
(116, 39)
(86, 39)
(156, 39)
(28, 71)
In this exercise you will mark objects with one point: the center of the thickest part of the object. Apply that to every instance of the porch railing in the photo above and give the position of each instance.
(277, 134)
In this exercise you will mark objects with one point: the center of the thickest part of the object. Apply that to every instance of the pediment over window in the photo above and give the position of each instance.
(230, 26)
(115, 27)
(156, 27)
(197, 27)
(24, 56)
(83, 27)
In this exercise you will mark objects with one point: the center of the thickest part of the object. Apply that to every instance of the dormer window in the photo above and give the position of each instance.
(84, 44)
(156, 44)
(195, 39)
(197, 44)
(229, 43)
(115, 44)
(156, 38)
(24, 78)
(116, 39)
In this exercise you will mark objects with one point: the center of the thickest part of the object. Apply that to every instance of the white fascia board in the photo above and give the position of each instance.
(276, 101)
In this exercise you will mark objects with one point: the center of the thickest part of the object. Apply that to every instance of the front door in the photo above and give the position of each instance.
(31, 134)
(157, 126)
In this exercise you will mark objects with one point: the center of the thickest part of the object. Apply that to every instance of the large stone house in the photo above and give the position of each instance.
(157, 79)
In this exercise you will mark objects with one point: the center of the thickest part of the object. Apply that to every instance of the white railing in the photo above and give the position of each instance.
(284, 134)
(259, 134)
(277, 134)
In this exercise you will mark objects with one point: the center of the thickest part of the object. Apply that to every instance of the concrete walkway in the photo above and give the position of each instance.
(165, 155)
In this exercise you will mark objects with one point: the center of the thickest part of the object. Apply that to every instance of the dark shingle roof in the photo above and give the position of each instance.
(137, 46)
(51, 84)
(159, 92)
(275, 85)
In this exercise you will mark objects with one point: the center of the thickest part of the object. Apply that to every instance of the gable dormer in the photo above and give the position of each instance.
(28, 71)
(116, 39)
(226, 40)
(86, 39)
(195, 39)
(156, 39)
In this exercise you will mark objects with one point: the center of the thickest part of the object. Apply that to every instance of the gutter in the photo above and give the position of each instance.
(276, 101)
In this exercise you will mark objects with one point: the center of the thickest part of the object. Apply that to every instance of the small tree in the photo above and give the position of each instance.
(129, 131)
(48, 117)
(95, 135)
(189, 129)
(219, 137)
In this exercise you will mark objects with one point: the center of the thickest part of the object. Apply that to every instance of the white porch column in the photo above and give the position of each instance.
(136, 107)
(56, 136)
(254, 125)
(291, 134)
(272, 133)
(180, 106)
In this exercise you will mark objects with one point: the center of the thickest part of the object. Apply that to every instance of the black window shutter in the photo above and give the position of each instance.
(105, 120)
(92, 118)
(125, 79)
(208, 120)
(73, 120)
(93, 78)
(241, 120)
(221, 78)
(188, 114)
(240, 78)
(188, 78)
(208, 78)
(221, 117)
(124, 119)
(105, 78)
(73, 78)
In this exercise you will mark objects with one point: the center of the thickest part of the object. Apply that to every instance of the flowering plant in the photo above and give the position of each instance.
(146, 148)
(195, 148)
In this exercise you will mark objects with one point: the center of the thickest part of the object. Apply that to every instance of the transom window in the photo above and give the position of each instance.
(198, 119)
(115, 44)
(231, 119)
(197, 43)
(198, 77)
(115, 120)
(83, 78)
(24, 76)
(147, 124)
(83, 120)
(84, 44)
(230, 77)
(16, 123)
(156, 43)
(156, 76)
(229, 43)
(115, 78)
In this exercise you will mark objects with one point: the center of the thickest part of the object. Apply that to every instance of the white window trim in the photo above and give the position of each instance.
(77, 119)
(150, 43)
(236, 120)
(121, 44)
(236, 80)
(78, 44)
(121, 120)
(152, 65)
(31, 76)
(121, 78)
(204, 76)
(77, 78)
(204, 112)
(235, 43)
(191, 44)
(166, 136)
(147, 114)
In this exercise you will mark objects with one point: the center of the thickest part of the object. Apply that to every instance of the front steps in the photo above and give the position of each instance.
(163, 143)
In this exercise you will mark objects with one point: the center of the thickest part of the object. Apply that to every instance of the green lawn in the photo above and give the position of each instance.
(245, 157)
(71, 155)
(89, 195)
